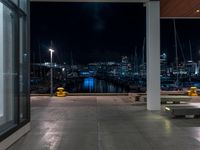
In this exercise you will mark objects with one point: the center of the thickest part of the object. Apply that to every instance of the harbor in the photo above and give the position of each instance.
(112, 77)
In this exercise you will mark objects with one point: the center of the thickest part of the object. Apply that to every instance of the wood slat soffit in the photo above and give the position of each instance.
(180, 8)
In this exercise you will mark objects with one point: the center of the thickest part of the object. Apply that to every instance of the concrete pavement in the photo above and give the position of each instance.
(104, 123)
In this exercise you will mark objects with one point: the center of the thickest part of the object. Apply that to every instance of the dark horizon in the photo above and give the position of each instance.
(96, 32)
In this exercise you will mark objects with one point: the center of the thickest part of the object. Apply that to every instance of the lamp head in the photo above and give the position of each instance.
(51, 50)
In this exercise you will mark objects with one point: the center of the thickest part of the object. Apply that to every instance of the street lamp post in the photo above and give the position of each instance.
(51, 57)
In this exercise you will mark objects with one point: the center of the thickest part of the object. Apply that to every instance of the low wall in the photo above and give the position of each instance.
(88, 94)
(170, 98)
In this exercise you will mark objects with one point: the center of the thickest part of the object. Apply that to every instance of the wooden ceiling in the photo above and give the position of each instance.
(180, 8)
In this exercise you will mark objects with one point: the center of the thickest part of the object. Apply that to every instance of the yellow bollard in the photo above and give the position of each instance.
(60, 92)
(192, 91)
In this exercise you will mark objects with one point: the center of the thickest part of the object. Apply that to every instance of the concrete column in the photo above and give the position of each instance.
(153, 54)
(1, 63)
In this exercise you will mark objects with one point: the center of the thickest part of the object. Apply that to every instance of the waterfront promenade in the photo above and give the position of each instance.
(105, 123)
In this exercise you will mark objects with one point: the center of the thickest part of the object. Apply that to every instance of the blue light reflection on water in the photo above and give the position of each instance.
(94, 85)
(88, 84)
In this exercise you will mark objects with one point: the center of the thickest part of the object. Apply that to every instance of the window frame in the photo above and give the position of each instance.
(19, 13)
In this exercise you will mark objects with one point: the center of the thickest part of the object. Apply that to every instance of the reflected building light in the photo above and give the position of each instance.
(88, 83)
(168, 126)
(167, 108)
(51, 140)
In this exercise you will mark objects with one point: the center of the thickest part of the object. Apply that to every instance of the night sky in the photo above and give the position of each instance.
(95, 32)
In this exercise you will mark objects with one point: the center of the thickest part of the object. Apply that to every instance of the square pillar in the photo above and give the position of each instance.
(153, 54)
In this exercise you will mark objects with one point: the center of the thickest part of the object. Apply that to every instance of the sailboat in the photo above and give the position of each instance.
(172, 84)
(176, 54)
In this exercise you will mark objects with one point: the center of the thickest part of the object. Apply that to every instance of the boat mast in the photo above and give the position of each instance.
(181, 48)
(190, 50)
(135, 61)
(40, 58)
(72, 63)
(190, 59)
(176, 50)
(71, 57)
(143, 48)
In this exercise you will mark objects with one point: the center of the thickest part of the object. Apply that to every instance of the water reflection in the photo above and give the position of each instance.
(168, 126)
(88, 84)
(93, 85)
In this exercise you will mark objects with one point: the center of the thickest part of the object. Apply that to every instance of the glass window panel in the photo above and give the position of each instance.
(23, 5)
(23, 78)
(15, 1)
(8, 73)
(1, 62)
